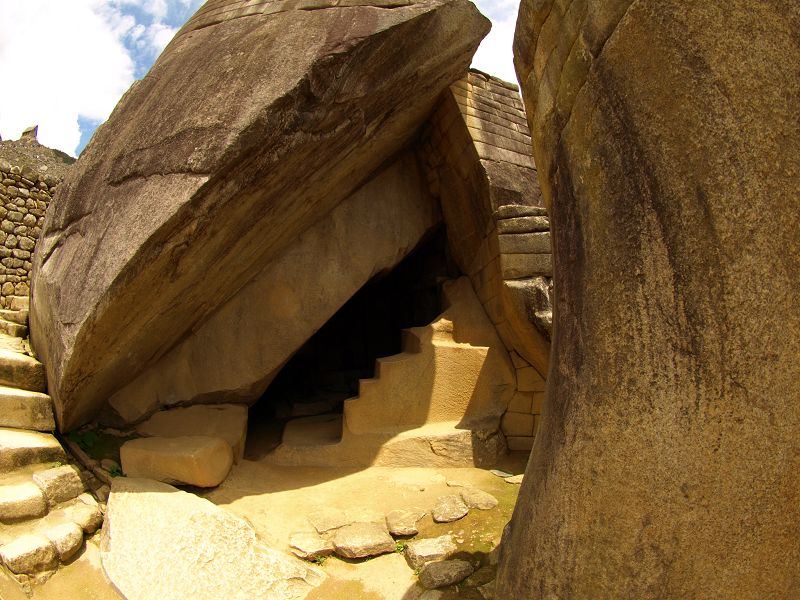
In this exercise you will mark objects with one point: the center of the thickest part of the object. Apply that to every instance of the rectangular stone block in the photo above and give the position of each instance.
(521, 402)
(531, 224)
(525, 243)
(517, 424)
(529, 380)
(518, 361)
(519, 443)
(521, 266)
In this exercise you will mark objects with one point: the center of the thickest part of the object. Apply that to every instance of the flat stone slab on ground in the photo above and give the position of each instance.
(442, 573)
(310, 545)
(419, 552)
(198, 460)
(449, 508)
(227, 421)
(514, 479)
(326, 520)
(361, 540)
(160, 542)
(475, 498)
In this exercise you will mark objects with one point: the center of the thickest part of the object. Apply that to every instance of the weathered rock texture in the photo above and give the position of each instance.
(666, 138)
(250, 127)
(190, 548)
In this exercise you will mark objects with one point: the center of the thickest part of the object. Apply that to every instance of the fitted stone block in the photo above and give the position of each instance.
(202, 461)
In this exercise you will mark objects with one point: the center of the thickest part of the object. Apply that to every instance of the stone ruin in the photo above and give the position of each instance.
(355, 247)
(198, 247)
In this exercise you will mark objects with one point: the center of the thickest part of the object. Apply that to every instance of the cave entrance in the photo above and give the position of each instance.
(327, 369)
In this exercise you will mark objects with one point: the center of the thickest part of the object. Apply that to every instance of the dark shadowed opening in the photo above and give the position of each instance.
(326, 370)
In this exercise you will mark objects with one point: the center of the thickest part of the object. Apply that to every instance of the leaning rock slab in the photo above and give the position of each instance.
(190, 548)
(194, 460)
(253, 124)
(404, 522)
(670, 164)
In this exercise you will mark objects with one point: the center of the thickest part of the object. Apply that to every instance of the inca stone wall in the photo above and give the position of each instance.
(477, 149)
(24, 197)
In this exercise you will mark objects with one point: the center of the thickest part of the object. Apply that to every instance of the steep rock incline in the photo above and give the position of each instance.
(249, 128)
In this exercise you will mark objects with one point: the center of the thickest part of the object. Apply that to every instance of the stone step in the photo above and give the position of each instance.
(20, 448)
(14, 329)
(15, 316)
(319, 430)
(21, 371)
(19, 302)
(36, 545)
(23, 409)
(21, 501)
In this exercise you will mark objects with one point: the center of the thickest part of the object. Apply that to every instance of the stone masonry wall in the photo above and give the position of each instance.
(24, 197)
(477, 150)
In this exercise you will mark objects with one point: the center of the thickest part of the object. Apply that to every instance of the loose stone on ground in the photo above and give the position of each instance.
(404, 522)
(419, 552)
(361, 540)
(475, 498)
(442, 573)
(449, 509)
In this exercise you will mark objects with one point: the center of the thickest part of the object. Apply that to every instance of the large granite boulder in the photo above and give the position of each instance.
(254, 123)
(668, 462)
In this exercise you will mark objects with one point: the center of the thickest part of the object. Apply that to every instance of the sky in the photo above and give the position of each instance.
(89, 52)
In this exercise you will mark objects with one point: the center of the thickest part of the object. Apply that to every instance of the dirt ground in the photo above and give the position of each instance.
(279, 500)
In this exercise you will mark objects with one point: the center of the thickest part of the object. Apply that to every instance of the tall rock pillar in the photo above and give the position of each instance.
(666, 137)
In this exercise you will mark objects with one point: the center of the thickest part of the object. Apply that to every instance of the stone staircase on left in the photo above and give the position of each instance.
(45, 509)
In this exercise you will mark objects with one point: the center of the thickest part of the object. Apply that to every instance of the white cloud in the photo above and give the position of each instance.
(93, 48)
(81, 68)
(495, 54)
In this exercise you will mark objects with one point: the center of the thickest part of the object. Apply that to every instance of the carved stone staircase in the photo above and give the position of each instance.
(437, 403)
(44, 508)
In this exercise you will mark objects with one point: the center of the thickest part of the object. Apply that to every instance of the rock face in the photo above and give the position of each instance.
(190, 549)
(238, 350)
(667, 463)
(192, 186)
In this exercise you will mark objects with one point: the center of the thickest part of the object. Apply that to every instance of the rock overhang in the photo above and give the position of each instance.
(202, 163)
